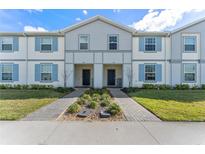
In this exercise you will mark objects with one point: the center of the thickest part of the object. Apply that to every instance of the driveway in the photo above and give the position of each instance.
(54, 132)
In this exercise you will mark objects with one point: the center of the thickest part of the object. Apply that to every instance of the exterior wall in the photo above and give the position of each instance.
(135, 73)
(98, 32)
(31, 75)
(37, 55)
(16, 55)
(118, 73)
(78, 74)
(22, 73)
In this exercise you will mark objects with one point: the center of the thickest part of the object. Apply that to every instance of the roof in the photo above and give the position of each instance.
(31, 33)
(101, 18)
(188, 25)
(151, 33)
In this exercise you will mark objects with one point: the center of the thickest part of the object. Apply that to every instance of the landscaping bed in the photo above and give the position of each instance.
(94, 105)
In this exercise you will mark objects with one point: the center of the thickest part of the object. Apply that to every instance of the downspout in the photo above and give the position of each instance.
(26, 58)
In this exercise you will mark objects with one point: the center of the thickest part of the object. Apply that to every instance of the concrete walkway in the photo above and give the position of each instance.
(132, 110)
(55, 132)
(53, 110)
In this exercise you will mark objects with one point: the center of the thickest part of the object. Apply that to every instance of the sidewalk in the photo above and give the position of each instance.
(132, 110)
(53, 110)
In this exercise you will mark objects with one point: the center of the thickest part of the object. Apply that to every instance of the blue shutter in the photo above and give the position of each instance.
(15, 44)
(15, 72)
(141, 44)
(141, 72)
(0, 44)
(183, 44)
(55, 44)
(0, 72)
(37, 44)
(55, 72)
(158, 72)
(158, 43)
(37, 72)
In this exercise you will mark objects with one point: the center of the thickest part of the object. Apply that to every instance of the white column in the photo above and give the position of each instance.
(69, 77)
(127, 75)
(98, 75)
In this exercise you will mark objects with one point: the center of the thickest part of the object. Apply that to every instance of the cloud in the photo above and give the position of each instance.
(34, 10)
(85, 12)
(78, 19)
(34, 29)
(116, 10)
(156, 20)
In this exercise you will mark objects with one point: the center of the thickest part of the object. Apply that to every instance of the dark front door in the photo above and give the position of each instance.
(111, 78)
(86, 77)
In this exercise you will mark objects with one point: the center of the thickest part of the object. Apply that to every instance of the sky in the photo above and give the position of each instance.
(140, 19)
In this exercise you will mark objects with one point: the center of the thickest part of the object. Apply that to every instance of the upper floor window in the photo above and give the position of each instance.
(189, 72)
(150, 72)
(150, 44)
(7, 71)
(46, 72)
(46, 44)
(83, 42)
(7, 44)
(113, 42)
(189, 43)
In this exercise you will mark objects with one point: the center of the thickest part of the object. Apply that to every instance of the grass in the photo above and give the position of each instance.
(173, 105)
(16, 104)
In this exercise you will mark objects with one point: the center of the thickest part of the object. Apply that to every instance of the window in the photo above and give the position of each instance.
(150, 44)
(7, 70)
(7, 44)
(113, 42)
(46, 44)
(46, 72)
(189, 43)
(150, 74)
(83, 42)
(189, 72)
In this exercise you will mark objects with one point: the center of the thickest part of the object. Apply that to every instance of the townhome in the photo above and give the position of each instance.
(100, 53)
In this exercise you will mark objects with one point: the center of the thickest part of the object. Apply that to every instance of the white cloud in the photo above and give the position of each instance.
(116, 10)
(78, 19)
(85, 12)
(156, 20)
(34, 29)
(34, 10)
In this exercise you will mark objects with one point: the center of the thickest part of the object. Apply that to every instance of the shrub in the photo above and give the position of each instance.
(194, 87)
(86, 97)
(74, 108)
(113, 109)
(63, 89)
(17, 86)
(93, 104)
(105, 97)
(182, 87)
(37, 86)
(203, 86)
(164, 87)
(5, 86)
(104, 103)
(149, 86)
(130, 89)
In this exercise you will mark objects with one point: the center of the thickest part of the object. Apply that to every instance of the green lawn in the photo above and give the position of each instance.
(173, 105)
(16, 104)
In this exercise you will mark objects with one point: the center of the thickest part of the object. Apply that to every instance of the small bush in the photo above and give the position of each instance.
(74, 108)
(149, 86)
(182, 87)
(63, 89)
(105, 97)
(130, 89)
(5, 86)
(93, 104)
(114, 109)
(86, 97)
(203, 86)
(104, 103)
(164, 87)
(195, 87)
(37, 86)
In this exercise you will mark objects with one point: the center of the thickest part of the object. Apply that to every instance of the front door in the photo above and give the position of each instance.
(111, 77)
(86, 77)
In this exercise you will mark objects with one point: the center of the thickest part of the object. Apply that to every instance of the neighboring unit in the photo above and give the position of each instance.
(100, 53)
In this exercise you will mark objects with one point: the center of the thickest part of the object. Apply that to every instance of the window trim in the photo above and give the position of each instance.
(195, 80)
(46, 51)
(108, 42)
(150, 51)
(80, 42)
(12, 45)
(48, 81)
(149, 81)
(194, 51)
(12, 67)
